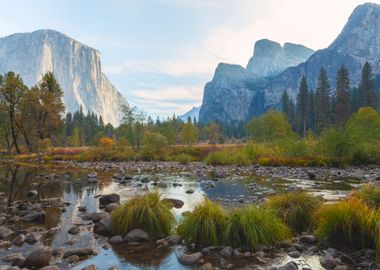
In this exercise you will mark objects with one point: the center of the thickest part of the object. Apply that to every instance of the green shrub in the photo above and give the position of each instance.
(295, 209)
(204, 225)
(183, 159)
(348, 222)
(370, 194)
(251, 226)
(218, 158)
(147, 212)
(154, 146)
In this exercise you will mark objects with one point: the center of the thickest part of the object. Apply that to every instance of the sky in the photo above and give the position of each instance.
(160, 53)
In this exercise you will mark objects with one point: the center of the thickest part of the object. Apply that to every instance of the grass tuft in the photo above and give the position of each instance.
(251, 226)
(147, 212)
(204, 225)
(348, 222)
(370, 194)
(296, 209)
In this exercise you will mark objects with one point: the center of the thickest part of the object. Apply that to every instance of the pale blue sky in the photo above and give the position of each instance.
(160, 53)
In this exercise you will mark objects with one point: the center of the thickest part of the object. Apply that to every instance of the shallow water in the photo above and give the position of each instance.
(70, 185)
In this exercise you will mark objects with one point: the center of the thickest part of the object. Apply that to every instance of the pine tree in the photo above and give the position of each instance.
(311, 113)
(322, 102)
(367, 88)
(343, 106)
(285, 104)
(302, 108)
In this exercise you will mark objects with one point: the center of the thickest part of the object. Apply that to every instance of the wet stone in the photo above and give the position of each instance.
(109, 198)
(19, 240)
(190, 259)
(308, 239)
(72, 259)
(74, 230)
(227, 251)
(294, 254)
(82, 209)
(289, 266)
(38, 258)
(117, 239)
(328, 262)
(34, 216)
(5, 232)
(137, 235)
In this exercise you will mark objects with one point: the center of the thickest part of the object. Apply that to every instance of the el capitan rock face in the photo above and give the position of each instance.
(358, 42)
(77, 68)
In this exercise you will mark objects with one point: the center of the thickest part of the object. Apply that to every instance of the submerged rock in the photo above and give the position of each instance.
(175, 202)
(109, 198)
(34, 216)
(74, 230)
(289, 266)
(81, 252)
(39, 258)
(137, 235)
(117, 239)
(190, 259)
(104, 226)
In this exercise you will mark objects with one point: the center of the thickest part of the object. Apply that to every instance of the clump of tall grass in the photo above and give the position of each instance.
(183, 159)
(227, 156)
(348, 222)
(370, 194)
(204, 225)
(147, 212)
(296, 209)
(251, 226)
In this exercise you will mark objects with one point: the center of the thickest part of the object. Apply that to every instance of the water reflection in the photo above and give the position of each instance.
(57, 186)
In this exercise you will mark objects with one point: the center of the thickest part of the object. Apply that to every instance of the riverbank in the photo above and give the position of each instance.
(364, 173)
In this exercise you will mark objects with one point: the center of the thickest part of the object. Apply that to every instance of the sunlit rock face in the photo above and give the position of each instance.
(270, 59)
(260, 88)
(76, 66)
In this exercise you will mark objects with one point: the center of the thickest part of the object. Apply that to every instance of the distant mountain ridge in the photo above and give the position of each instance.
(76, 66)
(358, 42)
(193, 113)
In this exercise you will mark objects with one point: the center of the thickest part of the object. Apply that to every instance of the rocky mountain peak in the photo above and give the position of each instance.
(266, 48)
(360, 36)
(270, 58)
